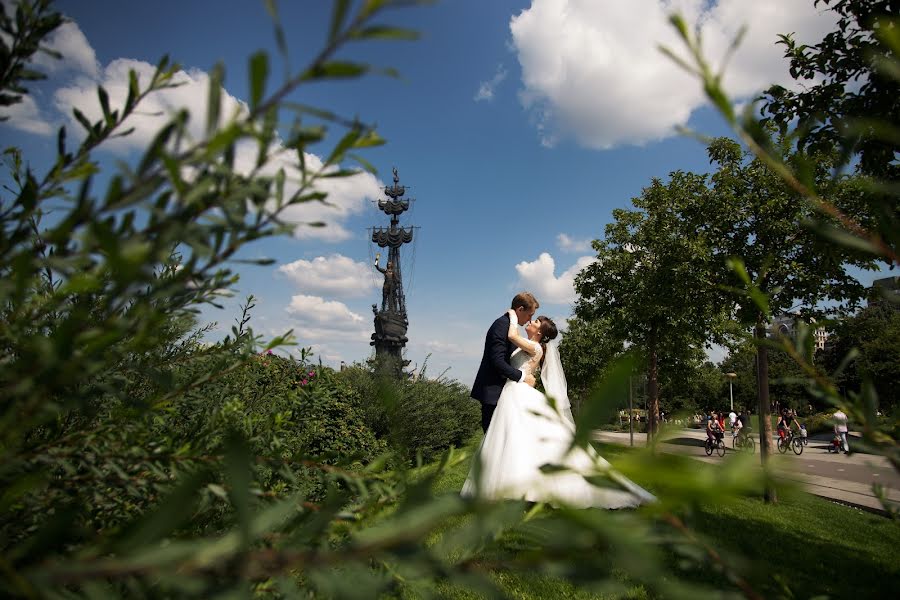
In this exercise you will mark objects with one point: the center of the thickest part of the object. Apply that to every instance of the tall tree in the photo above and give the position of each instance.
(847, 88)
(875, 334)
(651, 280)
(754, 215)
(849, 99)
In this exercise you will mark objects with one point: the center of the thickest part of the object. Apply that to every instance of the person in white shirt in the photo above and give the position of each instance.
(840, 429)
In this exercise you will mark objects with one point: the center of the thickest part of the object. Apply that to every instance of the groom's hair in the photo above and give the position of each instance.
(525, 300)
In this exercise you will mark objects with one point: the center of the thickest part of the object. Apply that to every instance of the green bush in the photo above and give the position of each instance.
(420, 417)
(818, 423)
(297, 418)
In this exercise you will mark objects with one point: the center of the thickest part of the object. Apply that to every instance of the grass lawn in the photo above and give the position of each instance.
(814, 546)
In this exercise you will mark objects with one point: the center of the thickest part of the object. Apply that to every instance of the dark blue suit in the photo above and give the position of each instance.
(494, 369)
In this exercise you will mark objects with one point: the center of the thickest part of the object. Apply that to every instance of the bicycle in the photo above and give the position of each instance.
(743, 441)
(718, 446)
(791, 441)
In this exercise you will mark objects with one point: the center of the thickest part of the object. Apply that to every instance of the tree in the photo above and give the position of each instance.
(874, 333)
(651, 279)
(754, 215)
(741, 360)
(586, 350)
(847, 90)
(849, 99)
(874, 229)
(700, 386)
(786, 385)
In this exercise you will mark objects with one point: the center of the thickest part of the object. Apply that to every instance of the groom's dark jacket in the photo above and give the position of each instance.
(495, 368)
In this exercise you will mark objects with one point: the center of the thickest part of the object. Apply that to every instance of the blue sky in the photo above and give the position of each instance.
(516, 125)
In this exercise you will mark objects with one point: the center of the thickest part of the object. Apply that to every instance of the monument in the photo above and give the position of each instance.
(391, 322)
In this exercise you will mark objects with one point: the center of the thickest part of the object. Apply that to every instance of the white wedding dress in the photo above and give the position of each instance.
(526, 433)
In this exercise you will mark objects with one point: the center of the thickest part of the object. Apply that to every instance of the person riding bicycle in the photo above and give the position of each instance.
(784, 423)
(714, 431)
(736, 428)
(744, 420)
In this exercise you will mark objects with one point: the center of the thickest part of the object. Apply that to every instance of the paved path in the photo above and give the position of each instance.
(840, 477)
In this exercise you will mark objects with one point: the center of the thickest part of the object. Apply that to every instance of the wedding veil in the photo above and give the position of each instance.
(554, 379)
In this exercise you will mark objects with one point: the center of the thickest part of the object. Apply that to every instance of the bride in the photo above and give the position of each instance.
(527, 432)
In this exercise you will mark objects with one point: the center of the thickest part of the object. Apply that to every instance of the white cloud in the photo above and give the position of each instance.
(330, 328)
(334, 275)
(486, 89)
(591, 70)
(346, 195)
(77, 53)
(314, 313)
(540, 279)
(154, 111)
(443, 348)
(26, 115)
(568, 244)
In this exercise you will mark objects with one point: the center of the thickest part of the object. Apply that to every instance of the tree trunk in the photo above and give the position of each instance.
(762, 386)
(652, 391)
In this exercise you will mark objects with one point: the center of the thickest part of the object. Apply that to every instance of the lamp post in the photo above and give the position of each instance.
(731, 377)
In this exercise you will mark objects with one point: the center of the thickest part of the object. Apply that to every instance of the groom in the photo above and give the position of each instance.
(495, 368)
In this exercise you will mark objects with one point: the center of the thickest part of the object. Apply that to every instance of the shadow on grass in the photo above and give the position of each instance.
(686, 441)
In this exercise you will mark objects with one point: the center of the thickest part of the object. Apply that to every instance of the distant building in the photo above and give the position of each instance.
(786, 325)
(883, 289)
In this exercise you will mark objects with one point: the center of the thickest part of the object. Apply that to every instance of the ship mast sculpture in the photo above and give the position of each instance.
(391, 322)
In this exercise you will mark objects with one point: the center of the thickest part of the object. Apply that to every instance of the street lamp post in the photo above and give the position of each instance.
(731, 377)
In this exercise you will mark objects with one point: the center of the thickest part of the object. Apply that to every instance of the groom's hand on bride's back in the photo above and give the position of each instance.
(529, 379)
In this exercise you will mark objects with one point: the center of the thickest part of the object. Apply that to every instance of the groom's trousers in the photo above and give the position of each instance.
(487, 411)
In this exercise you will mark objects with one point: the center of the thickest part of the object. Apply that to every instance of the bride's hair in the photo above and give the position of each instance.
(548, 332)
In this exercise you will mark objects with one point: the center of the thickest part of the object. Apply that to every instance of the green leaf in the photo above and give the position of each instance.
(348, 141)
(79, 116)
(842, 237)
(369, 140)
(604, 400)
(214, 98)
(336, 70)
(371, 7)
(364, 163)
(104, 104)
(737, 265)
(339, 173)
(384, 32)
(133, 90)
(280, 41)
(165, 517)
(240, 478)
(259, 72)
(339, 12)
(61, 142)
(303, 136)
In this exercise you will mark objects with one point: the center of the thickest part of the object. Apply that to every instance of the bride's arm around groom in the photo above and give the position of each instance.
(495, 369)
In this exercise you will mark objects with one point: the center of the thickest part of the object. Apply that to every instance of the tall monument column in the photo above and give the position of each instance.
(391, 322)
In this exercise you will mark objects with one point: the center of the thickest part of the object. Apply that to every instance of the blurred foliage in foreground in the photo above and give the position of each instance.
(137, 461)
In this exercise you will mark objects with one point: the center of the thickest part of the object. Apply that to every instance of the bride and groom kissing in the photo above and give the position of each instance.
(524, 431)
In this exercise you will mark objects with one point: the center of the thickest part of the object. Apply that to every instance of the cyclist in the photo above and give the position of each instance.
(784, 423)
(714, 431)
(743, 424)
(737, 428)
